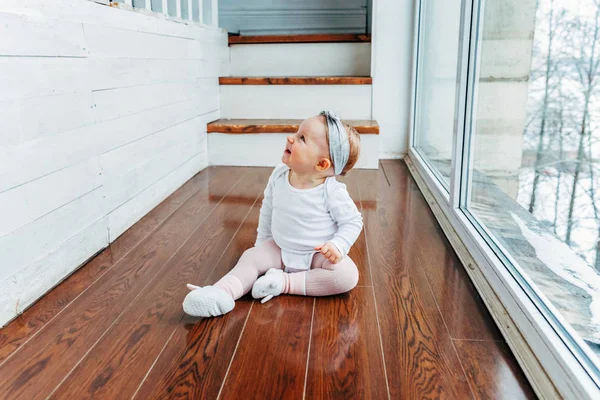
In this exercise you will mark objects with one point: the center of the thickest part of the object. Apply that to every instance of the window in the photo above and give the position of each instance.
(534, 174)
(139, 3)
(514, 100)
(436, 87)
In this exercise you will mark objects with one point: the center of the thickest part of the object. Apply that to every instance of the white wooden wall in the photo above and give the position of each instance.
(391, 64)
(103, 114)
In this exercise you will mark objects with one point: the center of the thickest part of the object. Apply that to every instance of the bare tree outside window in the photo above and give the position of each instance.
(535, 178)
(559, 174)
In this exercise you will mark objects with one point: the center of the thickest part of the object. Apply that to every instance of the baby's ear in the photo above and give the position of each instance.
(324, 164)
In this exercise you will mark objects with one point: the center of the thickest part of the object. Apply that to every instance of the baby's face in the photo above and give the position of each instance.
(307, 147)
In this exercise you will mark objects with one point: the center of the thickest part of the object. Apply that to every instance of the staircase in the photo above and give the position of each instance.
(275, 82)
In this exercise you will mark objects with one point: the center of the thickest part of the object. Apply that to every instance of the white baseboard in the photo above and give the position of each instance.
(31, 282)
(391, 155)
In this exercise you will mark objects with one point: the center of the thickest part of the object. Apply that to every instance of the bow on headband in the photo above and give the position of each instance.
(339, 144)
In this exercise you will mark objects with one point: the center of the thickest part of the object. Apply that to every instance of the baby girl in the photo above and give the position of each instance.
(307, 224)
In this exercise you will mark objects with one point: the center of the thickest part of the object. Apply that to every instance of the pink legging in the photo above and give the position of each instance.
(323, 279)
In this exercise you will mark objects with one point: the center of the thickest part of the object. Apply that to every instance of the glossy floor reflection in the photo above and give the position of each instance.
(414, 327)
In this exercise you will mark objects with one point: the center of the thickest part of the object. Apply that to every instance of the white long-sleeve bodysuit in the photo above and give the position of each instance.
(298, 220)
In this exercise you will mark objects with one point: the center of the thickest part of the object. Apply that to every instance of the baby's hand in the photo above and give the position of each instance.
(330, 252)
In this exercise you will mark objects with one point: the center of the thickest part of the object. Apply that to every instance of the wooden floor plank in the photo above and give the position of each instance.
(463, 310)
(270, 362)
(493, 371)
(32, 320)
(375, 188)
(416, 363)
(460, 304)
(106, 369)
(117, 363)
(195, 261)
(125, 335)
(345, 359)
(61, 344)
(449, 353)
(195, 360)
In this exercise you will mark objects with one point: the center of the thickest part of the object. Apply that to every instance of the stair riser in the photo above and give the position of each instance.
(295, 101)
(301, 59)
(265, 150)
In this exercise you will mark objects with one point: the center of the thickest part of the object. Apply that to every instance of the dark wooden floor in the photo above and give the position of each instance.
(414, 328)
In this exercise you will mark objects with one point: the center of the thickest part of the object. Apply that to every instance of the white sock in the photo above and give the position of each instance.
(207, 301)
(268, 286)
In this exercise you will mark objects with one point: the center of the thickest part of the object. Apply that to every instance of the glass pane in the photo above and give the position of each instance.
(139, 3)
(172, 8)
(157, 6)
(207, 12)
(436, 83)
(196, 10)
(184, 9)
(535, 156)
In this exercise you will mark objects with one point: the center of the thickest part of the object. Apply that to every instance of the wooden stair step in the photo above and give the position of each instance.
(318, 38)
(250, 126)
(296, 80)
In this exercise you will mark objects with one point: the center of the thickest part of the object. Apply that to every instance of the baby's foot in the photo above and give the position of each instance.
(268, 286)
(207, 301)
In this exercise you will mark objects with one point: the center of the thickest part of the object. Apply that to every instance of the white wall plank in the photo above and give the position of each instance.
(104, 114)
(11, 131)
(130, 156)
(42, 156)
(130, 212)
(90, 12)
(111, 73)
(391, 71)
(36, 240)
(31, 36)
(123, 188)
(112, 42)
(139, 98)
(31, 282)
(41, 116)
(26, 203)
(25, 77)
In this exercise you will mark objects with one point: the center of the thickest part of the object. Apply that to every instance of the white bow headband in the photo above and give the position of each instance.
(339, 144)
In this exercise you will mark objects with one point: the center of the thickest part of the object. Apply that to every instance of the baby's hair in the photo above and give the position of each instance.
(354, 139)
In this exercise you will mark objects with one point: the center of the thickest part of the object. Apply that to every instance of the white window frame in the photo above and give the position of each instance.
(439, 180)
(554, 358)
